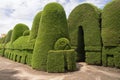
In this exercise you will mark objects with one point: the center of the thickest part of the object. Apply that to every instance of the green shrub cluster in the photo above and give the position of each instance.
(48, 47)
(61, 61)
(53, 25)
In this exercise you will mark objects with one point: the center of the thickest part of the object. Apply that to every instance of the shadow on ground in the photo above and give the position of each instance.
(8, 74)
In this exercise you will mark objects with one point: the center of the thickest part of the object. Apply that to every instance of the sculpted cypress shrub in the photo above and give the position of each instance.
(18, 31)
(35, 26)
(53, 25)
(110, 24)
(84, 28)
(110, 34)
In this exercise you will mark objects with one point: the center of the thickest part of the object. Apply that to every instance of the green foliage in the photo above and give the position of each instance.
(110, 24)
(53, 25)
(8, 37)
(29, 59)
(18, 44)
(26, 32)
(55, 62)
(111, 56)
(87, 16)
(62, 44)
(93, 58)
(2, 40)
(18, 31)
(61, 60)
(84, 28)
(70, 59)
(35, 26)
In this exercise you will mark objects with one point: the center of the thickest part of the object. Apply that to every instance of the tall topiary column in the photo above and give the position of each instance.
(53, 25)
(18, 31)
(84, 28)
(35, 26)
(111, 34)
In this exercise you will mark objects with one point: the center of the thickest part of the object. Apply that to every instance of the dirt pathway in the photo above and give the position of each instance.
(10, 70)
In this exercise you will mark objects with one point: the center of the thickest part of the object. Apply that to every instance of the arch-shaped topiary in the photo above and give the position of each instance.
(110, 34)
(18, 31)
(35, 26)
(53, 25)
(84, 21)
(111, 23)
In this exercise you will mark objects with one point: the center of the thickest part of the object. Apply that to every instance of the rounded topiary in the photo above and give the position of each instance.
(53, 25)
(86, 16)
(8, 37)
(84, 28)
(35, 26)
(62, 44)
(26, 32)
(18, 31)
(111, 24)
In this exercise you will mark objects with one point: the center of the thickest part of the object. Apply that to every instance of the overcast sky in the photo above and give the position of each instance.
(23, 11)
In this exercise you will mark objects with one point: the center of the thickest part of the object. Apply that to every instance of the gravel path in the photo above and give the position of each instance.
(10, 70)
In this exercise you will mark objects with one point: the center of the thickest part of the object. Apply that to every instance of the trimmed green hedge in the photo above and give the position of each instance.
(93, 58)
(62, 44)
(35, 26)
(26, 32)
(84, 28)
(61, 60)
(111, 24)
(8, 37)
(53, 25)
(111, 56)
(18, 31)
(18, 44)
(55, 61)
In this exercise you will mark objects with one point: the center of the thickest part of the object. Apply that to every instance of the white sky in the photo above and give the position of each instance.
(23, 11)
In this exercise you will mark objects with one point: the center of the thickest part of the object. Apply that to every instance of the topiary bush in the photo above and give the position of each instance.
(55, 62)
(26, 32)
(62, 44)
(110, 34)
(35, 26)
(61, 61)
(18, 31)
(93, 58)
(84, 28)
(110, 24)
(53, 25)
